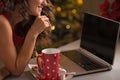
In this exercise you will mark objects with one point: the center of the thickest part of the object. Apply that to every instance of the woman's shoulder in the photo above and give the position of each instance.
(4, 23)
(3, 19)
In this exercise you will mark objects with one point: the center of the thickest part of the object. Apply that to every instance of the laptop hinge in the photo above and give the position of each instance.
(93, 57)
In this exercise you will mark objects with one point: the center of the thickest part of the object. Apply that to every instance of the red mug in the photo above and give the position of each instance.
(48, 63)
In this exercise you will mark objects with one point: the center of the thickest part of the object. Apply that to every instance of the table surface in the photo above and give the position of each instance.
(107, 75)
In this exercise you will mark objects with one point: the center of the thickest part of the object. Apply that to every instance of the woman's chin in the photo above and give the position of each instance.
(36, 14)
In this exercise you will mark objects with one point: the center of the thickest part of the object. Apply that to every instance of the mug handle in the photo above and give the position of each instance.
(40, 62)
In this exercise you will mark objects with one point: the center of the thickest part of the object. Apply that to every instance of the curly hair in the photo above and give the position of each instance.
(9, 5)
(23, 26)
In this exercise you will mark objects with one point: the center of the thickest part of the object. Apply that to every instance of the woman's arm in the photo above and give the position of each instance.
(16, 62)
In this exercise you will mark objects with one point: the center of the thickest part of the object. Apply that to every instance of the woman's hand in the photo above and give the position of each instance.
(40, 24)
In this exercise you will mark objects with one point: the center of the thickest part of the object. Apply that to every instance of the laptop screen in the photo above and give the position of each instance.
(99, 36)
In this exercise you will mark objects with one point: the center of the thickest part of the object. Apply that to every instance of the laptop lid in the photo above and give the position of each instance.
(99, 36)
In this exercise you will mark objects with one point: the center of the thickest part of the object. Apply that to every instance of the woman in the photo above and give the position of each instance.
(21, 22)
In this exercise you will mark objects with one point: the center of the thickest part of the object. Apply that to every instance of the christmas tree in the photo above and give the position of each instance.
(68, 20)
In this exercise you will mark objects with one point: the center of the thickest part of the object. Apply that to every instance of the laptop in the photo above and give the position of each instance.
(98, 40)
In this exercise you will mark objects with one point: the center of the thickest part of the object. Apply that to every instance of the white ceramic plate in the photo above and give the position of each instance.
(35, 72)
(32, 71)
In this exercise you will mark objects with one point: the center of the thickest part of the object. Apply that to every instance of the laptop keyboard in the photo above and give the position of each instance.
(90, 65)
(82, 60)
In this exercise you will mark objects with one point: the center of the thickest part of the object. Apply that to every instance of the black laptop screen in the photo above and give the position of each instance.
(99, 36)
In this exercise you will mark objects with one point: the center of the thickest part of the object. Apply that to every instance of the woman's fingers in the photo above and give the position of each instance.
(40, 24)
(46, 21)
